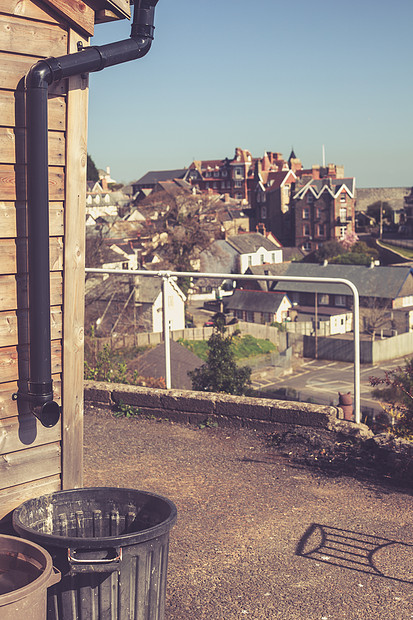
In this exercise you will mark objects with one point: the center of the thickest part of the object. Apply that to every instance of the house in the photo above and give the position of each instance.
(271, 201)
(101, 202)
(138, 300)
(152, 178)
(234, 254)
(386, 293)
(324, 210)
(235, 176)
(258, 306)
(255, 249)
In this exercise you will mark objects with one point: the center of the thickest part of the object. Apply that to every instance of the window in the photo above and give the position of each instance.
(266, 317)
(306, 213)
(223, 185)
(215, 185)
(216, 173)
(224, 173)
(343, 214)
(238, 173)
(307, 245)
(249, 261)
(321, 230)
(264, 212)
(343, 230)
(125, 265)
(317, 213)
(340, 300)
(273, 257)
(238, 184)
(310, 198)
(306, 230)
(262, 259)
(239, 196)
(323, 300)
(343, 197)
(249, 317)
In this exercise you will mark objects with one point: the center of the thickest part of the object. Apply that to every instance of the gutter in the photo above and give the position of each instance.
(39, 391)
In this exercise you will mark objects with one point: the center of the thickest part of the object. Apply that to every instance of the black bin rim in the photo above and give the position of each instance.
(121, 540)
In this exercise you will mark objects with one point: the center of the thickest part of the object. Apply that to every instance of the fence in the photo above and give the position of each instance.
(143, 339)
(371, 352)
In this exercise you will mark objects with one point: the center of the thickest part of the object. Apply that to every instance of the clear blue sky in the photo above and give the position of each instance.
(261, 75)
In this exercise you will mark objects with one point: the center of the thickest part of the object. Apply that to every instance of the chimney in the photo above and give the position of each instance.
(316, 172)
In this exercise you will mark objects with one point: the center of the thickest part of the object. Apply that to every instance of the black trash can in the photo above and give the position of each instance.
(111, 546)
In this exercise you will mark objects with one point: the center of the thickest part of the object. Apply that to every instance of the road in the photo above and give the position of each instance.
(322, 380)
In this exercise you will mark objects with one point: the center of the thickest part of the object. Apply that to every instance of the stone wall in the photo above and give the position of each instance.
(222, 409)
(393, 195)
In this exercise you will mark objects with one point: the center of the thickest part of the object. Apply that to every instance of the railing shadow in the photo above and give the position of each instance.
(364, 553)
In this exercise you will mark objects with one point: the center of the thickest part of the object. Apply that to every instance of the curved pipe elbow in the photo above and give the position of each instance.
(39, 75)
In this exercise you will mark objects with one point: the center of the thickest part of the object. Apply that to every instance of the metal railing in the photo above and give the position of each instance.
(168, 275)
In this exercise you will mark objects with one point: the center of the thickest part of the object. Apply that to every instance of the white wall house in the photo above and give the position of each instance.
(149, 294)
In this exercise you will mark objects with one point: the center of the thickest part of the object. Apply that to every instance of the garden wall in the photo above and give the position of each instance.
(222, 409)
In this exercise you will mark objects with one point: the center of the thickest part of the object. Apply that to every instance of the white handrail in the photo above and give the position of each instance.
(166, 275)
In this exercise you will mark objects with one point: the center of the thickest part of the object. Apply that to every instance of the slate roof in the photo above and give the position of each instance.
(260, 301)
(248, 243)
(380, 282)
(156, 176)
(152, 364)
(332, 186)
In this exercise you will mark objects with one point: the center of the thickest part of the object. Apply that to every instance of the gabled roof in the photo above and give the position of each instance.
(278, 179)
(379, 282)
(152, 364)
(332, 186)
(156, 176)
(259, 301)
(248, 243)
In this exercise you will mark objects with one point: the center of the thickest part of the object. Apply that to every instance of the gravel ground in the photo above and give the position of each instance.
(258, 534)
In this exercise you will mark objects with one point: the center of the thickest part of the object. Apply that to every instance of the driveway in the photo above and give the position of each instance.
(259, 536)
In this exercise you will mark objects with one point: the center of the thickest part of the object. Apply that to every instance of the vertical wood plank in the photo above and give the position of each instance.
(74, 278)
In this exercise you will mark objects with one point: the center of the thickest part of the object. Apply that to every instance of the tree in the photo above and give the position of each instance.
(374, 316)
(348, 252)
(373, 211)
(92, 173)
(397, 398)
(220, 373)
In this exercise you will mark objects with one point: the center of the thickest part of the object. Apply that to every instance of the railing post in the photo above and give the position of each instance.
(166, 329)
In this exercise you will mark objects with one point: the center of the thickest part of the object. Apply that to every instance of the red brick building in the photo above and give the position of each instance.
(323, 210)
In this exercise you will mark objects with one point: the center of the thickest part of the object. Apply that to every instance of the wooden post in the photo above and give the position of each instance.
(74, 277)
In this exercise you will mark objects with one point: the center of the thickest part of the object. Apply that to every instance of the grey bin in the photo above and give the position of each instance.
(111, 546)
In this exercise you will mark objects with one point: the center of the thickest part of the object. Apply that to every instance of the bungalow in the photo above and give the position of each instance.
(386, 293)
(258, 306)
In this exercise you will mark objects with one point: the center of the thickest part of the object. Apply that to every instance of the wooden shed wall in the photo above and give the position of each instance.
(33, 459)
